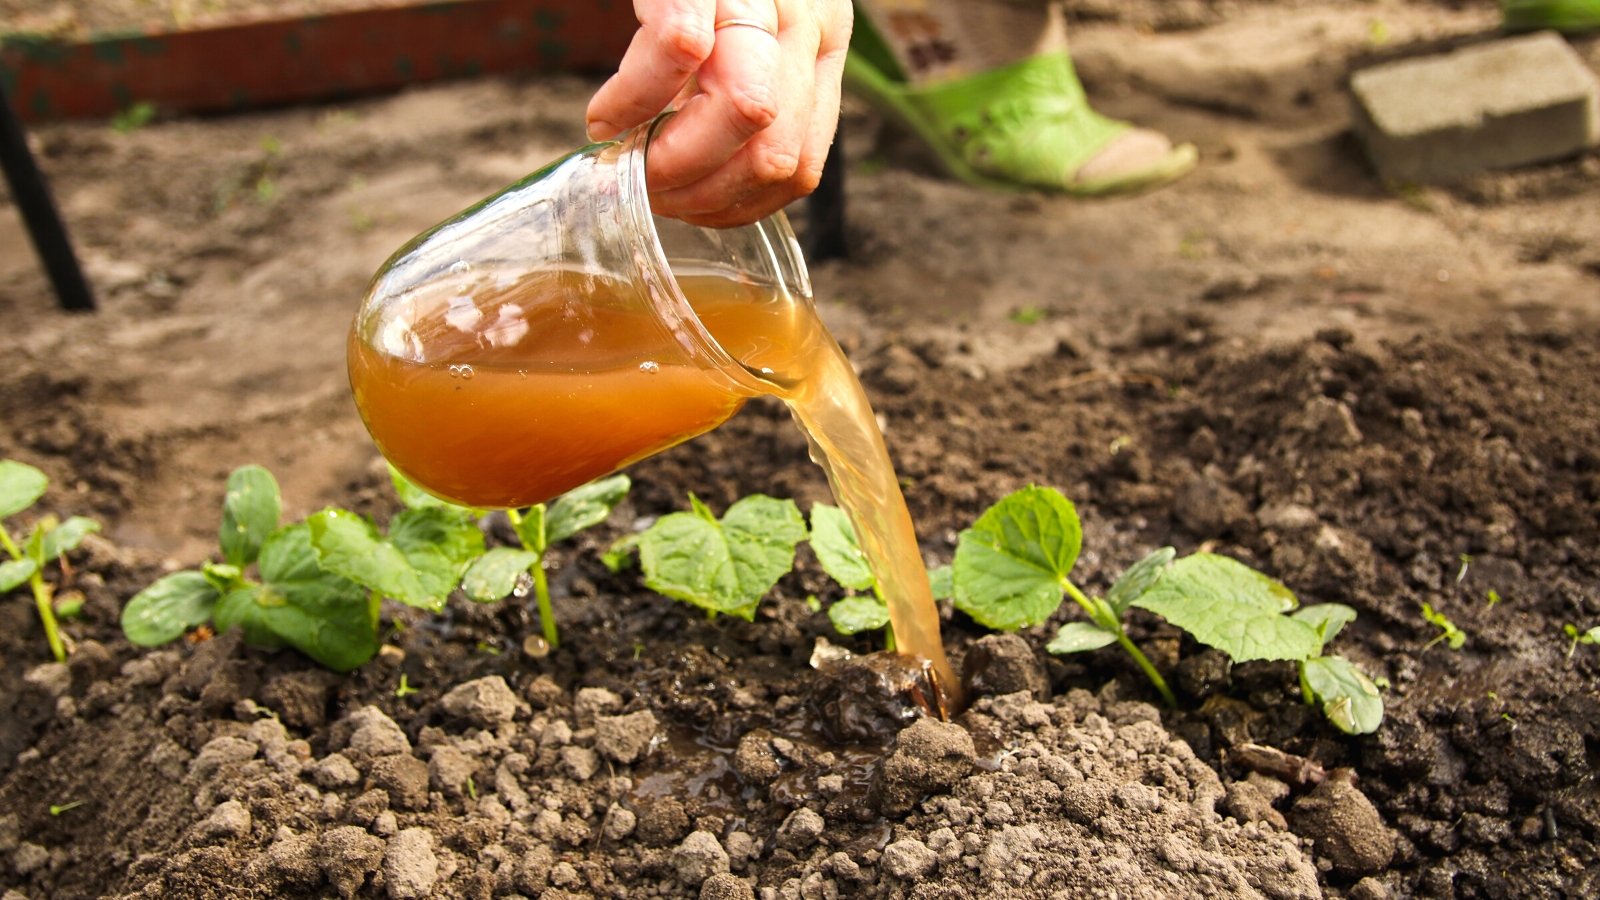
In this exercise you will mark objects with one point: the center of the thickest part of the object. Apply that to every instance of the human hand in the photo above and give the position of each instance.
(756, 84)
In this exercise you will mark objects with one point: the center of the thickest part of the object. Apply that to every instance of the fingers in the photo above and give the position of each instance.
(757, 110)
(759, 181)
(674, 39)
(738, 99)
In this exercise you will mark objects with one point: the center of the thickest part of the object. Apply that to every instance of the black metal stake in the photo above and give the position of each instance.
(825, 208)
(39, 214)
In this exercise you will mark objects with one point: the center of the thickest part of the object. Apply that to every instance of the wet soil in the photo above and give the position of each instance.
(1383, 397)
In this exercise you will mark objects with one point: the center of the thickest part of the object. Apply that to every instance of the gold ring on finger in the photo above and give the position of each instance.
(745, 23)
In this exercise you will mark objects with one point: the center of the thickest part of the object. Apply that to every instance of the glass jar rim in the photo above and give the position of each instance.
(656, 270)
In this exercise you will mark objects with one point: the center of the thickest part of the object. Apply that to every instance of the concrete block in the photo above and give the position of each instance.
(1506, 103)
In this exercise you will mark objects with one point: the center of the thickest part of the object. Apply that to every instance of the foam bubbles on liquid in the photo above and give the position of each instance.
(649, 367)
(463, 372)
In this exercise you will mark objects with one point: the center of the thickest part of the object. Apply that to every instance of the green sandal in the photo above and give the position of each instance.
(1565, 16)
(1025, 125)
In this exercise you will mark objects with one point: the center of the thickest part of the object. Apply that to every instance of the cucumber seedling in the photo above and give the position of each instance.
(21, 485)
(1012, 571)
(317, 585)
(495, 574)
(721, 565)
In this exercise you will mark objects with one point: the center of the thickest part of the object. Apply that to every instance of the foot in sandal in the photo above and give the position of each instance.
(1565, 16)
(989, 87)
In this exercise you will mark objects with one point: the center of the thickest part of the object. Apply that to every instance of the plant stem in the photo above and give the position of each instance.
(547, 616)
(1115, 627)
(1305, 686)
(41, 599)
(541, 587)
(1148, 668)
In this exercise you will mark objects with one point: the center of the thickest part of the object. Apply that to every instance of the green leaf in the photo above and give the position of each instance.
(530, 528)
(414, 497)
(1138, 578)
(1079, 637)
(451, 532)
(941, 581)
(66, 537)
(584, 507)
(1226, 604)
(250, 511)
(494, 575)
(833, 539)
(15, 571)
(1349, 698)
(222, 576)
(298, 604)
(163, 611)
(857, 613)
(1327, 618)
(1011, 566)
(619, 555)
(20, 485)
(722, 566)
(349, 546)
(33, 547)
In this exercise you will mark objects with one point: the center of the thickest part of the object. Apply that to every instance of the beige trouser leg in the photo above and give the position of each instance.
(938, 39)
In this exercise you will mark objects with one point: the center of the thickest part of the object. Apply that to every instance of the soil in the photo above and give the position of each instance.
(1384, 397)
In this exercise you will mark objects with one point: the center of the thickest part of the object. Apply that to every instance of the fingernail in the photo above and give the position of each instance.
(601, 130)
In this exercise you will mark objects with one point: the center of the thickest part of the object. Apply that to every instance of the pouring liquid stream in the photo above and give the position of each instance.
(505, 397)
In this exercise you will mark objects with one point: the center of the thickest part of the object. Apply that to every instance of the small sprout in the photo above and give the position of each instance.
(813, 603)
(1382, 682)
(1194, 245)
(1029, 315)
(1493, 597)
(56, 810)
(49, 541)
(619, 555)
(487, 648)
(133, 118)
(70, 605)
(1507, 717)
(638, 650)
(1448, 632)
(1378, 33)
(405, 689)
(266, 189)
(1466, 563)
(1590, 637)
(271, 145)
(472, 789)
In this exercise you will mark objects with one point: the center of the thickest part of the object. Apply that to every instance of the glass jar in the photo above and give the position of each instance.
(557, 331)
